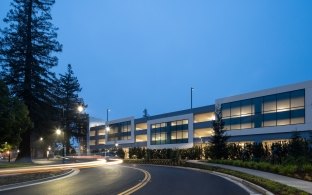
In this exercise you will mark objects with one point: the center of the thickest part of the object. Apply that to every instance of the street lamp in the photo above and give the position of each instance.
(192, 89)
(107, 125)
(80, 108)
(59, 132)
(41, 139)
(48, 152)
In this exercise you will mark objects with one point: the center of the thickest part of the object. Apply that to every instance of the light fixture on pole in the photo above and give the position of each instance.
(59, 132)
(107, 125)
(192, 89)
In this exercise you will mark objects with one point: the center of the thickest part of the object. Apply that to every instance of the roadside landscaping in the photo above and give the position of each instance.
(19, 178)
(16, 165)
(299, 171)
(272, 186)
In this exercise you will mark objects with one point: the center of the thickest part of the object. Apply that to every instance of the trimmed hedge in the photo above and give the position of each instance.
(297, 171)
(169, 162)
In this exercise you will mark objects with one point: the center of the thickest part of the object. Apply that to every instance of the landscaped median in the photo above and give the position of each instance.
(9, 179)
(270, 185)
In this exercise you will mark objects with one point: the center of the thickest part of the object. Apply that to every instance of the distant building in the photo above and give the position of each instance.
(267, 116)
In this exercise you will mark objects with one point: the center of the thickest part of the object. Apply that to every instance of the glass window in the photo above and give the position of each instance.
(269, 120)
(226, 110)
(92, 133)
(92, 142)
(227, 124)
(205, 132)
(269, 104)
(179, 122)
(185, 134)
(283, 102)
(140, 126)
(235, 109)
(141, 138)
(173, 135)
(246, 122)
(297, 99)
(163, 125)
(246, 108)
(235, 123)
(179, 135)
(101, 141)
(209, 116)
(283, 118)
(154, 137)
(185, 122)
(101, 132)
(173, 123)
(297, 116)
(153, 126)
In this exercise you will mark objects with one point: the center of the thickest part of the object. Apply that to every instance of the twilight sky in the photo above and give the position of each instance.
(130, 55)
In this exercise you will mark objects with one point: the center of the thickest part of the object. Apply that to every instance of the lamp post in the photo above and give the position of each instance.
(80, 109)
(59, 132)
(106, 124)
(192, 89)
(9, 154)
(48, 152)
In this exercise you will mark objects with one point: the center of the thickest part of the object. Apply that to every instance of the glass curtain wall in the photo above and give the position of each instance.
(274, 110)
(169, 132)
(120, 131)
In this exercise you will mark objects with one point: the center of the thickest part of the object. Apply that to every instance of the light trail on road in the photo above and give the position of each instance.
(43, 168)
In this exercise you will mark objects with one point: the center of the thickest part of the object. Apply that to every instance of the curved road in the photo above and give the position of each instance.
(114, 179)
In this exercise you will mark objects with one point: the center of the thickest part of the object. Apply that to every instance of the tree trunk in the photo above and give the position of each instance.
(25, 153)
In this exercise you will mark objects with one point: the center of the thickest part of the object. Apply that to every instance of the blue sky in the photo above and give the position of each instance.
(131, 55)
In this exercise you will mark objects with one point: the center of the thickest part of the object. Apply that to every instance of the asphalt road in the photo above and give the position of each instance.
(167, 180)
(115, 179)
(106, 179)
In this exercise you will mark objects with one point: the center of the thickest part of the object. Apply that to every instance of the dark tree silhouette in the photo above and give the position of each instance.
(27, 52)
(68, 101)
(218, 148)
(14, 118)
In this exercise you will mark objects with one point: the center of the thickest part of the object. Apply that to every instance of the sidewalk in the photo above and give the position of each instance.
(297, 183)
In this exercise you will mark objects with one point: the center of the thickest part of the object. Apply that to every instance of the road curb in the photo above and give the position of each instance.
(245, 183)
(70, 173)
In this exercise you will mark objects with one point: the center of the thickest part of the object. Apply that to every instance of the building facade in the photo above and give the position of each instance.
(266, 116)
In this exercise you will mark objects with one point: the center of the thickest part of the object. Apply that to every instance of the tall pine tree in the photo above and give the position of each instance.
(27, 50)
(218, 148)
(68, 89)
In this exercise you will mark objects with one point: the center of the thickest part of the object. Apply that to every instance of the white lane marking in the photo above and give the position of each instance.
(141, 184)
(21, 185)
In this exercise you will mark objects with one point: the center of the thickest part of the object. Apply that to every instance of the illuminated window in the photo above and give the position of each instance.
(92, 142)
(92, 133)
(140, 126)
(101, 132)
(269, 104)
(283, 102)
(209, 116)
(141, 138)
(101, 141)
(235, 109)
(205, 132)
